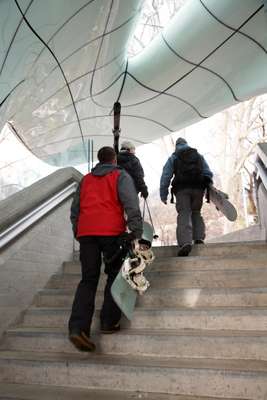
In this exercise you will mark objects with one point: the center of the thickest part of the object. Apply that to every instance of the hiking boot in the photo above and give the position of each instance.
(106, 329)
(81, 340)
(199, 241)
(184, 250)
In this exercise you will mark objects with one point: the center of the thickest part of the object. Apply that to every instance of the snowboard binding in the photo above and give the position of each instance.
(130, 281)
(133, 267)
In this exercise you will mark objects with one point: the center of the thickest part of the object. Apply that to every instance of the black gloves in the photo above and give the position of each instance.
(208, 181)
(144, 193)
(126, 238)
(124, 242)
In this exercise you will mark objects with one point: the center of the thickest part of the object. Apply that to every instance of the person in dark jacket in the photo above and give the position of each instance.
(98, 211)
(127, 159)
(189, 199)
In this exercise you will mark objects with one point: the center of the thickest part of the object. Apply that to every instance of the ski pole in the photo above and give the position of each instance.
(116, 125)
(155, 236)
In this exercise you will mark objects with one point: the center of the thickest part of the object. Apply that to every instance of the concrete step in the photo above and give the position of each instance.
(189, 263)
(210, 249)
(236, 278)
(216, 249)
(234, 318)
(243, 379)
(43, 392)
(155, 343)
(163, 298)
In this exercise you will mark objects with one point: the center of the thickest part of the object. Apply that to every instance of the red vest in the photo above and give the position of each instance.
(101, 212)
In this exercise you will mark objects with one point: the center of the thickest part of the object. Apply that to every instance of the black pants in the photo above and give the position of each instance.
(91, 250)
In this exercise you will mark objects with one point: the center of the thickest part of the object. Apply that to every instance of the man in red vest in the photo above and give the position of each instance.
(98, 211)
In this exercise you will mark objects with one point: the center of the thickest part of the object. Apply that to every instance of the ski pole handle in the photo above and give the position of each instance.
(117, 114)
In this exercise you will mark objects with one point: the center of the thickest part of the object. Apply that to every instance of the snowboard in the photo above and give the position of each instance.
(222, 203)
(123, 294)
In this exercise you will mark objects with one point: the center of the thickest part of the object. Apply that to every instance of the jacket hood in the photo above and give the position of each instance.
(180, 146)
(125, 155)
(103, 169)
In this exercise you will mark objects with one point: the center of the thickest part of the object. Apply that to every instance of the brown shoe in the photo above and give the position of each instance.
(81, 341)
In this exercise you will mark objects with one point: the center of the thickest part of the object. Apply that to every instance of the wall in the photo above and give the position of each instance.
(26, 266)
(252, 233)
(28, 261)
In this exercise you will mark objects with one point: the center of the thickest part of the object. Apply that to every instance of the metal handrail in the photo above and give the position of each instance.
(29, 219)
(262, 173)
(262, 156)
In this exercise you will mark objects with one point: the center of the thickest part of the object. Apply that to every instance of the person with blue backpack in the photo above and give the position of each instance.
(189, 175)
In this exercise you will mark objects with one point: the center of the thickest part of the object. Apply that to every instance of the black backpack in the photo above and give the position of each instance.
(188, 168)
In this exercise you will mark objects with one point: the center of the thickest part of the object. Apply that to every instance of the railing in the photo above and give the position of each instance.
(261, 185)
(261, 163)
(25, 208)
(18, 227)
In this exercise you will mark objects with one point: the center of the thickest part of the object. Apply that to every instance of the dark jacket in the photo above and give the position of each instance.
(132, 165)
(126, 195)
(168, 172)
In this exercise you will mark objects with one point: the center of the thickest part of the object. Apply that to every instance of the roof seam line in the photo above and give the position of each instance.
(13, 38)
(61, 69)
(98, 54)
(164, 92)
(231, 28)
(199, 66)
(205, 58)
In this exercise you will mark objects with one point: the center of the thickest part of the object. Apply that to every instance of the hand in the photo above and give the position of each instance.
(144, 193)
(127, 237)
(208, 181)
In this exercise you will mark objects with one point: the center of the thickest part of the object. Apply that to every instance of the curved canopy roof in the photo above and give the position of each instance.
(63, 64)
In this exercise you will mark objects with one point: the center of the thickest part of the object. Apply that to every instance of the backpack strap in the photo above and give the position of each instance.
(174, 179)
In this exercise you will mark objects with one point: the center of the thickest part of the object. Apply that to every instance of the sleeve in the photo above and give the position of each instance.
(75, 210)
(129, 199)
(206, 169)
(139, 178)
(166, 177)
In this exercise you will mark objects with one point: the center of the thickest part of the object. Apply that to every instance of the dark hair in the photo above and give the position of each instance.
(106, 155)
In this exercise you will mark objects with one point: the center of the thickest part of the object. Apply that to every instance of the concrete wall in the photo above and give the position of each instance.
(252, 233)
(26, 266)
(28, 262)
(20, 203)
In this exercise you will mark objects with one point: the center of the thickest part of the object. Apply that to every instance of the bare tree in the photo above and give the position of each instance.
(242, 128)
(155, 15)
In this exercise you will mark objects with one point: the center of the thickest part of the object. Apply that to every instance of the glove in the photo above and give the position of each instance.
(127, 237)
(208, 181)
(144, 193)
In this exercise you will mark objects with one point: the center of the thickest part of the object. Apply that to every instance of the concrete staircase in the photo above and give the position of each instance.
(200, 332)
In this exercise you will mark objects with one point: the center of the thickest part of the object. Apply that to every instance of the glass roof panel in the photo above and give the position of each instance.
(64, 64)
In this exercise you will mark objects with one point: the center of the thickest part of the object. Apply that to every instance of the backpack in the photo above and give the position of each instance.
(188, 168)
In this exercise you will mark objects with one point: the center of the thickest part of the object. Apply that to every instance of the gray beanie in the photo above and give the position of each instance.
(181, 140)
(127, 145)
